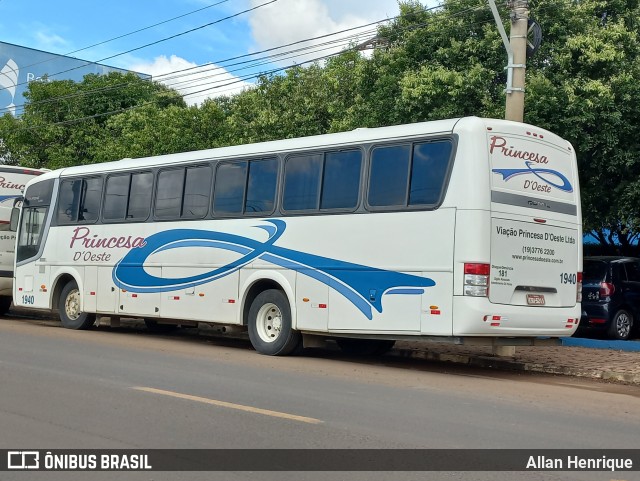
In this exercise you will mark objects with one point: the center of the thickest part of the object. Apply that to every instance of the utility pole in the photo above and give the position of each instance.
(514, 109)
(516, 55)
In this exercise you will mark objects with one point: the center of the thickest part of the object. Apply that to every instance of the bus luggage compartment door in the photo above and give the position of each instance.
(145, 304)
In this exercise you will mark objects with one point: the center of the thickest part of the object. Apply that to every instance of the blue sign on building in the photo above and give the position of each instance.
(21, 65)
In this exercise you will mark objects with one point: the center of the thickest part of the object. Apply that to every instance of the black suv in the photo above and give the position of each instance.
(610, 296)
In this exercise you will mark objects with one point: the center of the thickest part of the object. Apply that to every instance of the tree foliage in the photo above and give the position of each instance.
(65, 123)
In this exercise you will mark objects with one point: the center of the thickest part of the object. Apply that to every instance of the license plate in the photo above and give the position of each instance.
(535, 299)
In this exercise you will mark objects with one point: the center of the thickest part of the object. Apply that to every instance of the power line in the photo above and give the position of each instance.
(150, 26)
(172, 75)
(151, 102)
(238, 80)
(257, 62)
(162, 39)
(310, 49)
(130, 33)
(214, 65)
(216, 85)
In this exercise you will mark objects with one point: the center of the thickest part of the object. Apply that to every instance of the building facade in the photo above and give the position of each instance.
(21, 65)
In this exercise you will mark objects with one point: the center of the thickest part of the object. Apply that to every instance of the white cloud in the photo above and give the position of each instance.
(195, 82)
(50, 42)
(288, 21)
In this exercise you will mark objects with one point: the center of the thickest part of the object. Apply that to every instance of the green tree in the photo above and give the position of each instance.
(152, 130)
(581, 84)
(584, 87)
(63, 123)
(281, 106)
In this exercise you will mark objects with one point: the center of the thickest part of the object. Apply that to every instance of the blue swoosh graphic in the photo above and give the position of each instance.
(509, 173)
(362, 285)
(7, 197)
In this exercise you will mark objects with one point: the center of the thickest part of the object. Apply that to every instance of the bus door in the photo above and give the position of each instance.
(32, 275)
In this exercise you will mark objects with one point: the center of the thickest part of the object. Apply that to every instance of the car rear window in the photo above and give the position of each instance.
(633, 271)
(594, 271)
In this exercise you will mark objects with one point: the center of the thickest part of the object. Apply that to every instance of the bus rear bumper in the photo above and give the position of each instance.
(476, 316)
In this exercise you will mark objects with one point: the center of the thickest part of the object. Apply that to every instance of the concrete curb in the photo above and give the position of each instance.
(513, 365)
(627, 346)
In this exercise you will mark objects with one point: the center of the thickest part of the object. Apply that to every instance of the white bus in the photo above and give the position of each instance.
(12, 182)
(464, 228)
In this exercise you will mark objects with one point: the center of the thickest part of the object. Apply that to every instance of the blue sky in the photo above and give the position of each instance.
(64, 27)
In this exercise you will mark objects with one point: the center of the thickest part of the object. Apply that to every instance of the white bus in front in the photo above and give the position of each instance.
(463, 228)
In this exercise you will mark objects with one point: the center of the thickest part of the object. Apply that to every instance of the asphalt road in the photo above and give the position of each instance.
(128, 389)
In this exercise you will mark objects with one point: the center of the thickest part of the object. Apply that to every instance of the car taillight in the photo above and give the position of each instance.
(579, 287)
(606, 289)
(476, 279)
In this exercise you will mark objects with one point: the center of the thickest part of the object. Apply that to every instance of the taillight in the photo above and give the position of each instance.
(476, 279)
(579, 287)
(606, 289)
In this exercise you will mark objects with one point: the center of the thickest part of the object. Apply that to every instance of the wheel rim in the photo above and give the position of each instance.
(72, 304)
(269, 322)
(623, 324)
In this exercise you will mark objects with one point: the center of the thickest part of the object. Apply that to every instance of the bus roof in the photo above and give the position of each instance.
(359, 135)
(22, 170)
(248, 150)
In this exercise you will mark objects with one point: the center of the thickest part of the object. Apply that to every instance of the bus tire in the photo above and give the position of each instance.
(270, 330)
(365, 347)
(5, 304)
(69, 307)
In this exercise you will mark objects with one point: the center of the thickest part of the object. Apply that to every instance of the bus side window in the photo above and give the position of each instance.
(197, 189)
(261, 186)
(140, 194)
(169, 194)
(115, 197)
(128, 197)
(230, 184)
(406, 175)
(246, 187)
(389, 176)
(69, 201)
(341, 180)
(302, 177)
(428, 171)
(90, 203)
(79, 200)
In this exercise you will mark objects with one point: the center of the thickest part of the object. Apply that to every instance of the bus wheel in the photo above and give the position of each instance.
(69, 306)
(270, 330)
(365, 347)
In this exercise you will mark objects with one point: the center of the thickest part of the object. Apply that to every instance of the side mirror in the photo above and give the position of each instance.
(15, 215)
